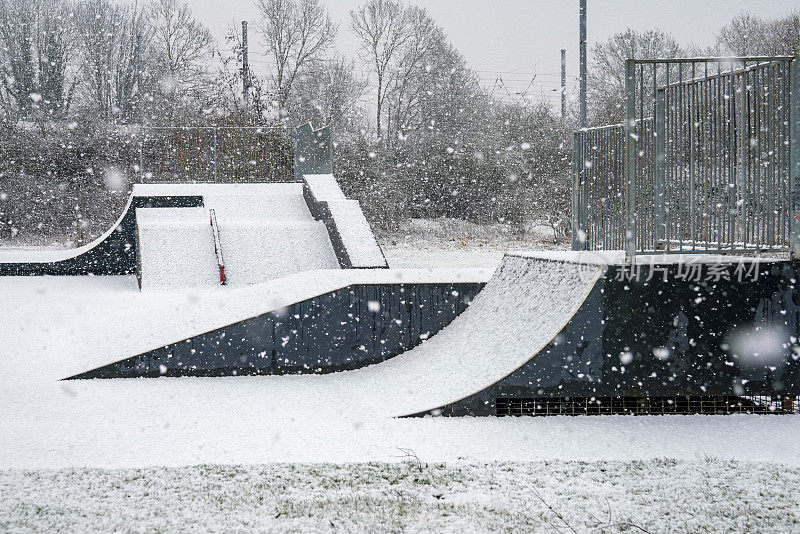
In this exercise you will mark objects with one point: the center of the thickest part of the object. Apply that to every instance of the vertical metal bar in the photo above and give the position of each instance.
(214, 155)
(719, 161)
(575, 199)
(770, 174)
(705, 139)
(583, 211)
(692, 156)
(660, 161)
(578, 237)
(582, 96)
(630, 159)
(786, 166)
(668, 121)
(741, 154)
(682, 138)
(563, 84)
(794, 159)
(141, 156)
(758, 190)
(245, 66)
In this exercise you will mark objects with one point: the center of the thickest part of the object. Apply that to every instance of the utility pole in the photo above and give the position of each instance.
(563, 84)
(245, 67)
(582, 120)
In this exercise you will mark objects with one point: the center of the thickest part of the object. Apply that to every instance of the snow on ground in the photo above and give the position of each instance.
(474, 351)
(455, 243)
(403, 255)
(520, 310)
(703, 495)
(250, 453)
(57, 326)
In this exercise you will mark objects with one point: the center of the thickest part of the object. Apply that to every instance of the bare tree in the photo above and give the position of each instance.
(296, 33)
(410, 79)
(113, 39)
(180, 43)
(328, 93)
(383, 27)
(36, 47)
(607, 72)
(786, 32)
(746, 35)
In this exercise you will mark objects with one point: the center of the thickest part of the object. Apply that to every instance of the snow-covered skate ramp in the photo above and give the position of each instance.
(266, 232)
(522, 308)
(175, 248)
(257, 251)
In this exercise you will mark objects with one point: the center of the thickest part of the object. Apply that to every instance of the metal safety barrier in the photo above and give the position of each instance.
(706, 160)
(217, 154)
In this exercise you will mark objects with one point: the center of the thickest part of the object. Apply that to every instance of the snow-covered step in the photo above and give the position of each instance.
(176, 248)
(273, 208)
(258, 250)
(356, 234)
(273, 202)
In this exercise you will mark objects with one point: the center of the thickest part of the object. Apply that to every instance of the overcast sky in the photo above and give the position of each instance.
(515, 39)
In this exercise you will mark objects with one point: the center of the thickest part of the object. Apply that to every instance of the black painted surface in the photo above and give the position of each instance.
(345, 329)
(320, 211)
(313, 151)
(688, 324)
(115, 255)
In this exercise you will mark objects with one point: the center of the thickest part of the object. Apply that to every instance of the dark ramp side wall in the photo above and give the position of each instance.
(345, 329)
(115, 255)
(675, 335)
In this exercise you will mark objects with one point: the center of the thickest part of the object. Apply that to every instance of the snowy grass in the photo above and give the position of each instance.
(658, 495)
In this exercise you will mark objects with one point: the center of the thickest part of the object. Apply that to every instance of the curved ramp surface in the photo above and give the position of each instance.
(522, 308)
(113, 253)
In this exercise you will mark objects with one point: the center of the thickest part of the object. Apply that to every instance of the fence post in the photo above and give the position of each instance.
(630, 159)
(576, 199)
(794, 159)
(214, 155)
(313, 151)
(141, 154)
(660, 161)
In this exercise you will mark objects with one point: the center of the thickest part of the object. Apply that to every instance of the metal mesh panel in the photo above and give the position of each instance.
(705, 159)
(215, 154)
(599, 188)
(723, 405)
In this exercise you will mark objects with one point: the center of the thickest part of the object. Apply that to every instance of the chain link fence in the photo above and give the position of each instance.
(217, 154)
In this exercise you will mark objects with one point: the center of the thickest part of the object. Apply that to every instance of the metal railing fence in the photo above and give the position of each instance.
(598, 188)
(708, 157)
(215, 154)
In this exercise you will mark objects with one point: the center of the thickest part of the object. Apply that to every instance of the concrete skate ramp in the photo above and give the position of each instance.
(522, 308)
(258, 251)
(113, 253)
